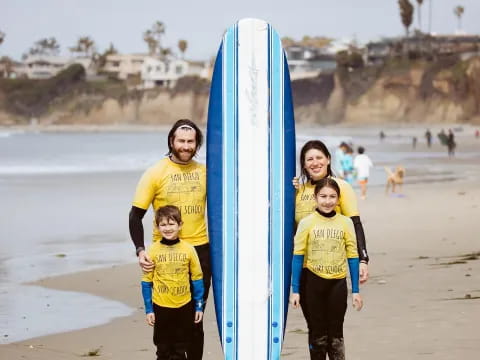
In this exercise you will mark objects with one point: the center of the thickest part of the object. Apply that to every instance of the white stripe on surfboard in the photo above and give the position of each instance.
(253, 202)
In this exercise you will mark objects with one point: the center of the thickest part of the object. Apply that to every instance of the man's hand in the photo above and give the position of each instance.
(363, 272)
(144, 261)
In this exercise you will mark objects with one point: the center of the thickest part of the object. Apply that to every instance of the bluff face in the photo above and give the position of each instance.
(446, 91)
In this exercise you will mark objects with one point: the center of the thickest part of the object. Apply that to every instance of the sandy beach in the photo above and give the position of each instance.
(422, 300)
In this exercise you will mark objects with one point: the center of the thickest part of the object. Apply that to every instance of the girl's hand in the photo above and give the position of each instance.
(295, 300)
(198, 316)
(357, 302)
(150, 319)
(296, 182)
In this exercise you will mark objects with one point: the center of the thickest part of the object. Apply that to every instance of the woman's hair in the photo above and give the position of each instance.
(317, 145)
(187, 125)
(169, 212)
(326, 182)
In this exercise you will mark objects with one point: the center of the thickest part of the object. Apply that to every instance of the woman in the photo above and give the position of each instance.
(315, 165)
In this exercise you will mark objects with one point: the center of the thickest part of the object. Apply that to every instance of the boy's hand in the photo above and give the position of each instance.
(295, 182)
(144, 261)
(295, 300)
(357, 301)
(150, 319)
(198, 316)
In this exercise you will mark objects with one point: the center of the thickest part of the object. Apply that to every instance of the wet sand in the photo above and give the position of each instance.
(422, 300)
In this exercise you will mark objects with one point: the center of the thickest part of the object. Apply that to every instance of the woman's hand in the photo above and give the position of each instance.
(296, 182)
(363, 272)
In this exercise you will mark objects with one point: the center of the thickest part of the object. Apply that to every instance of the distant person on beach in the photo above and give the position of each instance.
(477, 134)
(414, 142)
(394, 179)
(382, 135)
(339, 154)
(315, 165)
(428, 137)
(362, 165)
(451, 145)
(323, 246)
(347, 164)
(166, 290)
(177, 180)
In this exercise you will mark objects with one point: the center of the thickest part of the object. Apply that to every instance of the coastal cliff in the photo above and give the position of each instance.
(447, 91)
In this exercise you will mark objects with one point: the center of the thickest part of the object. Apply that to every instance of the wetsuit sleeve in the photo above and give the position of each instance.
(136, 227)
(197, 295)
(361, 243)
(197, 280)
(353, 266)
(297, 265)
(147, 296)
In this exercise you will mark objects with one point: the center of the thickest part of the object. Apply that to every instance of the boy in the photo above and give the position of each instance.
(170, 311)
(362, 165)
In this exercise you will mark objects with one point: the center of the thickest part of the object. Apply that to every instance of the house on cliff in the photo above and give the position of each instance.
(423, 45)
(306, 61)
(152, 71)
(40, 66)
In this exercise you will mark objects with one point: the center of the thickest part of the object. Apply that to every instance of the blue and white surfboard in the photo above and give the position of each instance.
(250, 166)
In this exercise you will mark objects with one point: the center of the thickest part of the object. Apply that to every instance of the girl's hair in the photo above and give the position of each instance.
(326, 182)
(317, 145)
(187, 125)
(169, 212)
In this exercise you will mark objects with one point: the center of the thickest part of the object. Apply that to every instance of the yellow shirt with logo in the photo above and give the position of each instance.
(305, 202)
(326, 244)
(185, 186)
(175, 265)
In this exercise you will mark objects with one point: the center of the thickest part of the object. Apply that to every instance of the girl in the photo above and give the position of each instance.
(324, 241)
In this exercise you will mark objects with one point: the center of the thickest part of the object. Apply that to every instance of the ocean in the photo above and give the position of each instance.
(66, 197)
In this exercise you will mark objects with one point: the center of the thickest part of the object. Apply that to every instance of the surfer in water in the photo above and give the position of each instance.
(324, 243)
(177, 180)
(169, 301)
(315, 164)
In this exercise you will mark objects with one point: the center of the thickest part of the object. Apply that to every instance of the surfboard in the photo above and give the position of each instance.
(250, 197)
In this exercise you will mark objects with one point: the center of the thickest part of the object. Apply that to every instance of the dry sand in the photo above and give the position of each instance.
(422, 300)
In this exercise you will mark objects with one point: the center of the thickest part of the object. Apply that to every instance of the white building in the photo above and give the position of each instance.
(42, 66)
(123, 66)
(156, 72)
(306, 62)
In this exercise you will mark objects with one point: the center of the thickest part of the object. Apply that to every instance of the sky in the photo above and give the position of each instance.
(202, 23)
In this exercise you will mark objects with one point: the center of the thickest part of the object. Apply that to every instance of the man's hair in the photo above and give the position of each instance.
(326, 182)
(361, 149)
(185, 124)
(169, 212)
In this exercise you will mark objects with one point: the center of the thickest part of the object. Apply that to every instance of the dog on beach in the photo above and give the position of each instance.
(394, 179)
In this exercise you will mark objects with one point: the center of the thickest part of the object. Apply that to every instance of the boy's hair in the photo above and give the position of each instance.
(169, 212)
(326, 182)
(361, 149)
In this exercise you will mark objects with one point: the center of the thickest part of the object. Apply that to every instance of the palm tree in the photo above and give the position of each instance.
(420, 2)
(2, 37)
(46, 46)
(406, 14)
(182, 46)
(458, 11)
(153, 38)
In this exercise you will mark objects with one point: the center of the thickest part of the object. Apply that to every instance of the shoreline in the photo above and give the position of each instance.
(420, 286)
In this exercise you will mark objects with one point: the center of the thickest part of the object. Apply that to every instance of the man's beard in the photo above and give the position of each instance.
(180, 155)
